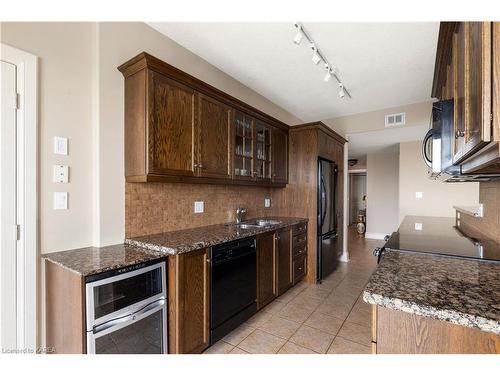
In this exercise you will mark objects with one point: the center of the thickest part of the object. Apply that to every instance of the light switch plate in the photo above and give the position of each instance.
(60, 146)
(418, 226)
(419, 195)
(199, 207)
(267, 202)
(60, 200)
(61, 173)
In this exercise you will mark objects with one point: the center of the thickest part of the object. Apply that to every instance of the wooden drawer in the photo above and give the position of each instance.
(299, 268)
(299, 250)
(299, 240)
(299, 228)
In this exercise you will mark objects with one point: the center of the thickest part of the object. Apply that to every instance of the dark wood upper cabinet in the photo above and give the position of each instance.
(243, 147)
(266, 269)
(465, 71)
(180, 129)
(280, 156)
(171, 127)
(262, 151)
(472, 99)
(214, 142)
(284, 253)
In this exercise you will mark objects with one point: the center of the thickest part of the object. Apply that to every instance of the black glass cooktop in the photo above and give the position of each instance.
(440, 235)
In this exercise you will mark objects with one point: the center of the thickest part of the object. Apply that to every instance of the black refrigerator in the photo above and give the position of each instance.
(328, 253)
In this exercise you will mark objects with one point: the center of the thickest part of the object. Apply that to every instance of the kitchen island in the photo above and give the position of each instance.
(430, 303)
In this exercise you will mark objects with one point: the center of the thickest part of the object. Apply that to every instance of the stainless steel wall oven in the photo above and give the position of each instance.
(127, 310)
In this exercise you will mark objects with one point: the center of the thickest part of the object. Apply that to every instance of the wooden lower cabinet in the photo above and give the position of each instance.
(284, 263)
(266, 269)
(397, 332)
(299, 252)
(189, 302)
(65, 310)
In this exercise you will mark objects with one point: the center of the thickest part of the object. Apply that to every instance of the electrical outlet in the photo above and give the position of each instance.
(418, 226)
(61, 173)
(419, 195)
(267, 202)
(199, 207)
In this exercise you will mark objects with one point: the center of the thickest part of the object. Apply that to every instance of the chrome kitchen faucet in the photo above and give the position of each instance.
(239, 212)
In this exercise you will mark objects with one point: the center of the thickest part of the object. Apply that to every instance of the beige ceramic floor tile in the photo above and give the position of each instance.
(337, 310)
(315, 293)
(260, 342)
(325, 323)
(343, 346)
(360, 315)
(312, 338)
(239, 334)
(295, 313)
(280, 327)
(274, 307)
(237, 350)
(356, 332)
(306, 302)
(259, 319)
(291, 348)
(220, 347)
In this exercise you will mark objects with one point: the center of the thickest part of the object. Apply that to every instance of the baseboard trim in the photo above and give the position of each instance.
(375, 236)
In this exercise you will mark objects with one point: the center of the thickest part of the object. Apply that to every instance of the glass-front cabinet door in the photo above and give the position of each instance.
(262, 164)
(243, 146)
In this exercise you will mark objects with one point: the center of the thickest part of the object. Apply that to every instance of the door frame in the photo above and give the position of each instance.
(27, 200)
(353, 173)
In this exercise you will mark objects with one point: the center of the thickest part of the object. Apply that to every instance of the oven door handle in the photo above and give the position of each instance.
(126, 318)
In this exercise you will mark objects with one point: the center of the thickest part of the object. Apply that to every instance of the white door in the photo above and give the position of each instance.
(8, 231)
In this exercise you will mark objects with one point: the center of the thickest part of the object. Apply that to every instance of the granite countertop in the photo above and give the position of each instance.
(460, 291)
(182, 241)
(92, 260)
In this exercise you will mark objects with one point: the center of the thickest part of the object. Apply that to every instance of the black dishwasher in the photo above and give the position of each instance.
(233, 284)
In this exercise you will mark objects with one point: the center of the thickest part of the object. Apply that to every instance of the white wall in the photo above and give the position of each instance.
(65, 97)
(382, 193)
(416, 114)
(438, 197)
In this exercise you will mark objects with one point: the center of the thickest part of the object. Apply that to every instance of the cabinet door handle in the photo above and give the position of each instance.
(201, 166)
(459, 134)
(195, 165)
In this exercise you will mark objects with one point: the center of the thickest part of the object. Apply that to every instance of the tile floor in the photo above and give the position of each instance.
(309, 319)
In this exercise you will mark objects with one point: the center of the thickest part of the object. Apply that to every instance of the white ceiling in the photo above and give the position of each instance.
(361, 144)
(383, 64)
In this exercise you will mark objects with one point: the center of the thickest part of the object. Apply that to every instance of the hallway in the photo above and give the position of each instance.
(308, 319)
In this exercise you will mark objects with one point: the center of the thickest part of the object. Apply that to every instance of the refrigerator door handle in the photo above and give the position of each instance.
(323, 206)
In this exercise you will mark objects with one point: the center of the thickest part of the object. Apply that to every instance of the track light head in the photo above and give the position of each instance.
(315, 57)
(298, 36)
(328, 75)
(342, 91)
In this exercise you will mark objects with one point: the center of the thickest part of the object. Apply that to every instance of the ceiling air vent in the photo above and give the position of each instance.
(396, 119)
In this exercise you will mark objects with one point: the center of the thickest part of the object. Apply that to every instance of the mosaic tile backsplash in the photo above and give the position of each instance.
(161, 207)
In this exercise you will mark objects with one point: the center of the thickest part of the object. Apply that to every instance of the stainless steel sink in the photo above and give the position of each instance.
(255, 223)
(262, 222)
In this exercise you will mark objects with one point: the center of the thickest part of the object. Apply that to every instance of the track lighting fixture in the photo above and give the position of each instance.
(298, 37)
(318, 56)
(328, 74)
(342, 90)
(315, 57)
